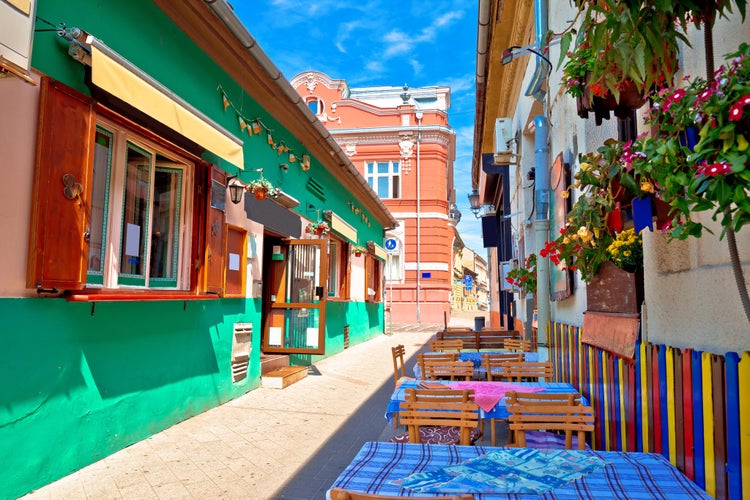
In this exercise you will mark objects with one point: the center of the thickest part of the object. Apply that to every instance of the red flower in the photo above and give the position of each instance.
(735, 112)
(714, 169)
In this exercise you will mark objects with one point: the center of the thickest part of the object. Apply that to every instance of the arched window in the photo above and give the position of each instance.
(315, 104)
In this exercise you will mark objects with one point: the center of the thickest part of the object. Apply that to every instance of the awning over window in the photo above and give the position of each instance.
(380, 252)
(341, 227)
(119, 77)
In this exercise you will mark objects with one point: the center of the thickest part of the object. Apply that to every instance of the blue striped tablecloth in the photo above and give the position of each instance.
(500, 411)
(476, 358)
(627, 475)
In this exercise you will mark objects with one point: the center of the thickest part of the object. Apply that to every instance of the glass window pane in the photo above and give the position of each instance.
(135, 212)
(313, 105)
(395, 167)
(369, 166)
(103, 145)
(165, 226)
(302, 269)
(333, 269)
(383, 168)
(383, 187)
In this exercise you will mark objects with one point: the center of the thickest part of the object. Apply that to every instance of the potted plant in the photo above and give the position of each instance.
(524, 277)
(710, 175)
(626, 251)
(358, 250)
(263, 189)
(318, 228)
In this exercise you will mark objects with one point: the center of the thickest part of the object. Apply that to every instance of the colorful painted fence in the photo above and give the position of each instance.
(692, 407)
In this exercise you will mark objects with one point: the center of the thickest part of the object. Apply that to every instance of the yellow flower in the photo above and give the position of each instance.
(647, 187)
(584, 234)
(585, 166)
(564, 194)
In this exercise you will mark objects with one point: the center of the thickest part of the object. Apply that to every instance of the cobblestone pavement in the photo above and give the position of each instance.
(291, 443)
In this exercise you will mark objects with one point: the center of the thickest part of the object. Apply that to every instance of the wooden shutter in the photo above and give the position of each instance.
(215, 232)
(58, 242)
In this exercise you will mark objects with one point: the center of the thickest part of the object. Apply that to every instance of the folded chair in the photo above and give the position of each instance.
(339, 494)
(548, 421)
(439, 416)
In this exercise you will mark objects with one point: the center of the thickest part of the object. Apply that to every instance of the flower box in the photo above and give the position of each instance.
(614, 290)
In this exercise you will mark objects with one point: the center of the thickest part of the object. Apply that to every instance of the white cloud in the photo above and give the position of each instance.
(416, 66)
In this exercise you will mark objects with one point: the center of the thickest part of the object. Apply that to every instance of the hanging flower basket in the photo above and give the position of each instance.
(318, 228)
(602, 105)
(358, 250)
(263, 189)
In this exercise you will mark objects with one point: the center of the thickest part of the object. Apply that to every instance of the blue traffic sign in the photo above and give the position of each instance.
(391, 244)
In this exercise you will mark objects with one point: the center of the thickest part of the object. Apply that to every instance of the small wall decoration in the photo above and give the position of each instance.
(262, 189)
(254, 126)
(318, 228)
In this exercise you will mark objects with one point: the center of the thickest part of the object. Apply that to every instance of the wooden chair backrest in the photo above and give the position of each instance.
(434, 356)
(493, 362)
(446, 345)
(517, 344)
(340, 494)
(439, 407)
(399, 369)
(520, 371)
(549, 415)
(461, 370)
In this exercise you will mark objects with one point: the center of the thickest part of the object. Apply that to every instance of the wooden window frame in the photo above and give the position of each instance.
(339, 258)
(373, 278)
(58, 246)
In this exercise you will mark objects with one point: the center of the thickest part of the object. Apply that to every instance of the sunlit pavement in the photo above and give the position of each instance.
(269, 443)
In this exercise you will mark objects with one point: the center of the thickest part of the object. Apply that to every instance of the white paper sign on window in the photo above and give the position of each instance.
(312, 337)
(133, 239)
(274, 336)
(234, 262)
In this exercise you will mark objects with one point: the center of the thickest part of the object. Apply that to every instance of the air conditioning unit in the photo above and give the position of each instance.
(505, 142)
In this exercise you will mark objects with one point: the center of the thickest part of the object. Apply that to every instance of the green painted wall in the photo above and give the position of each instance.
(81, 382)
(77, 387)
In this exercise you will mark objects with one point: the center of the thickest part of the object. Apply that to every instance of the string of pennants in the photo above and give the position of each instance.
(254, 126)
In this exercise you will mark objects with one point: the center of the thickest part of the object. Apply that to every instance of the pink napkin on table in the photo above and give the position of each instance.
(487, 394)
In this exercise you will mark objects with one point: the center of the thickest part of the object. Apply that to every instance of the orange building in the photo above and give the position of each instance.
(400, 140)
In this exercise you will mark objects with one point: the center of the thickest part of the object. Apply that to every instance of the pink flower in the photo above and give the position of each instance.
(714, 169)
(737, 109)
(703, 96)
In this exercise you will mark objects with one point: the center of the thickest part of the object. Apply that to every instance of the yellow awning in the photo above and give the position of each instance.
(109, 71)
(342, 228)
(380, 252)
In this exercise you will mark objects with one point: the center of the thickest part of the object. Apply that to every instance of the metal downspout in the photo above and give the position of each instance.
(541, 191)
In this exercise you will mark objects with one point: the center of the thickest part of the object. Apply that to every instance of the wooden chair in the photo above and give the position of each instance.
(339, 494)
(439, 416)
(446, 345)
(434, 356)
(492, 362)
(452, 370)
(535, 420)
(517, 345)
(521, 371)
(399, 368)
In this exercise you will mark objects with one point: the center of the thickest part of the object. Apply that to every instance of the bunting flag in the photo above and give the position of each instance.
(614, 219)
(254, 126)
(642, 214)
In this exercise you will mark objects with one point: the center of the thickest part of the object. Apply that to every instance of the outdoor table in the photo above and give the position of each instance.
(624, 475)
(476, 358)
(499, 411)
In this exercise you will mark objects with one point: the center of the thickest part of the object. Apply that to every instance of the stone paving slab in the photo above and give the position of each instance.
(291, 443)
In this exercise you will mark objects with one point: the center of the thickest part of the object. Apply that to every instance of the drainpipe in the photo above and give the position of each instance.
(541, 190)
(419, 217)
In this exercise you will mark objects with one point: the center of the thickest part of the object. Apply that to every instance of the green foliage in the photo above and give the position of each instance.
(713, 175)
(524, 277)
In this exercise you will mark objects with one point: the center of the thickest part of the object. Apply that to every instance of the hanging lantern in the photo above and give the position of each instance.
(269, 138)
(243, 125)
(256, 127)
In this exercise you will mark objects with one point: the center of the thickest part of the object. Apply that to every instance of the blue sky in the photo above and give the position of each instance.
(382, 42)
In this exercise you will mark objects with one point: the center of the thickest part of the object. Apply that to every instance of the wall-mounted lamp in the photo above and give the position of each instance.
(236, 189)
(474, 203)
